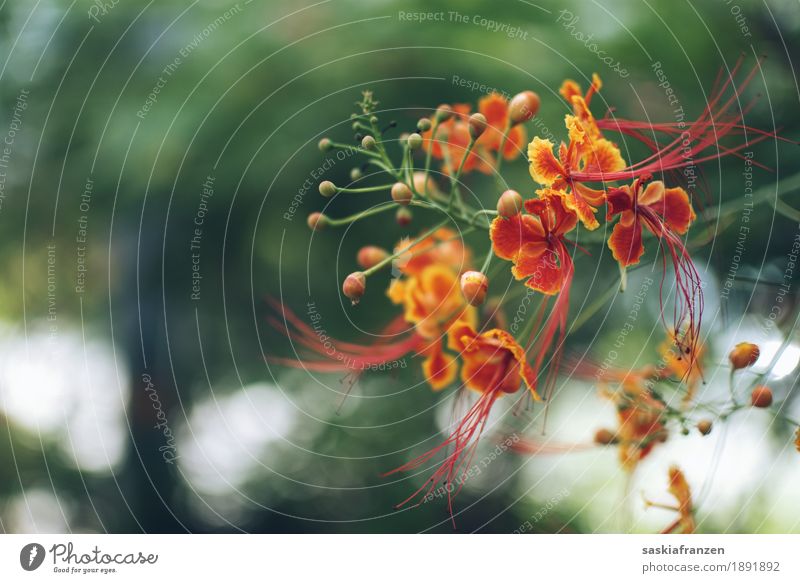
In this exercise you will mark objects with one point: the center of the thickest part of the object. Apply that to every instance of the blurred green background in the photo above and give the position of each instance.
(127, 405)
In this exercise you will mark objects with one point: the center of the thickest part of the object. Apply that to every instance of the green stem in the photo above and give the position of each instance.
(454, 189)
(363, 189)
(429, 153)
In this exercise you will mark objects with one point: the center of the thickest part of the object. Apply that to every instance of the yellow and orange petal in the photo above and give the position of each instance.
(508, 235)
(578, 204)
(490, 358)
(602, 156)
(439, 367)
(679, 488)
(672, 204)
(554, 215)
(397, 291)
(433, 300)
(625, 241)
(569, 89)
(540, 267)
(543, 165)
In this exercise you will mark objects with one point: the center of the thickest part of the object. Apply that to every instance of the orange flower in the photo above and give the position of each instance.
(495, 107)
(679, 488)
(494, 364)
(443, 247)
(797, 439)
(585, 154)
(571, 91)
(659, 208)
(534, 243)
(451, 141)
(667, 213)
(452, 137)
(493, 360)
(641, 421)
(433, 302)
(683, 357)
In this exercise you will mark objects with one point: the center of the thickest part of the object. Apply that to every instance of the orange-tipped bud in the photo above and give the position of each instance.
(761, 397)
(403, 216)
(477, 125)
(444, 112)
(509, 204)
(327, 188)
(370, 256)
(354, 286)
(523, 107)
(705, 426)
(743, 355)
(401, 194)
(325, 145)
(474, 286)
(317, 221)
(605, 437)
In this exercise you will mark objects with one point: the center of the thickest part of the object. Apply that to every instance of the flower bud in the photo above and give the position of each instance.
(523, 107)
(401, 194)
(317, 221)
(443, 112)
(477, 125)
(356, 174)
(327, 188)
(704, 426)
(415, 141)
(325, 145)
(743, 355)
(368, 143)
(605, 437)
(370, 256)
(509, 204)
(420, 179)
(403, 216)
(354, 286)
(474, 286)
(761, 397)
(424, 124)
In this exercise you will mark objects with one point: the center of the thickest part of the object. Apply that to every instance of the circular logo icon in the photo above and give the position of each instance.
(31, 556)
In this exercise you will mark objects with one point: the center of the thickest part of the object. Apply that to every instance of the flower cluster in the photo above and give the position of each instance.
(441, 291)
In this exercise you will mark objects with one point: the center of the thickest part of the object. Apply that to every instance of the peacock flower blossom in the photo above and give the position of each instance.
(534, 243)
(494, 364)
(594, 157)
(432, 302)
(498, 115)
(679, 489)
(453, 137)
(666, 213)
(451, 143)
(640, 415)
